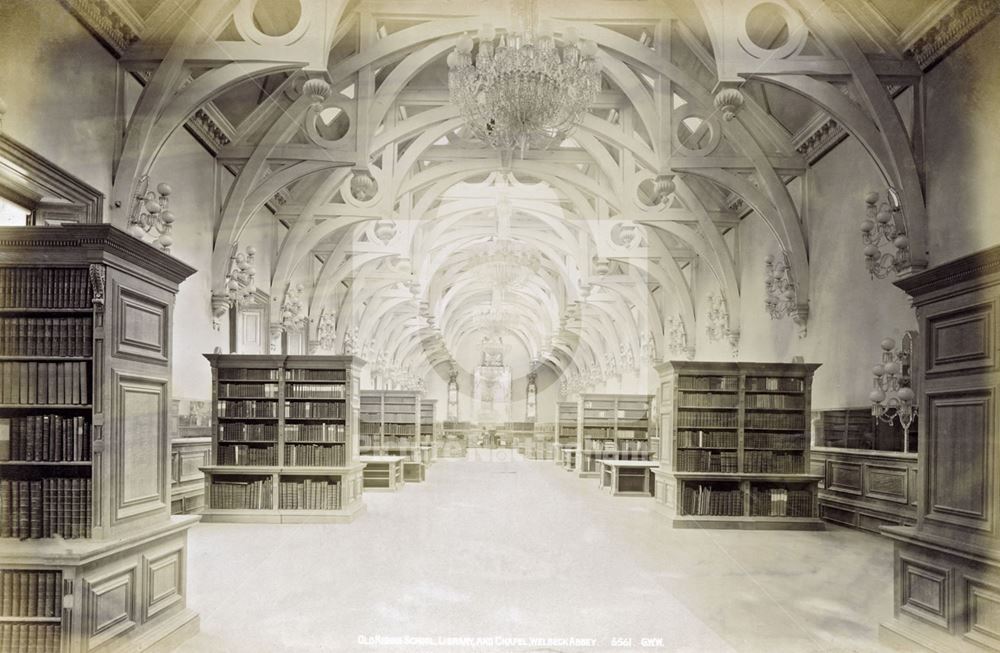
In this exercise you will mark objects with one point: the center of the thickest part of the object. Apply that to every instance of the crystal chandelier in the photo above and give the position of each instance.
(882, 224)
(507, 263)
(892, 397)
(522, 91)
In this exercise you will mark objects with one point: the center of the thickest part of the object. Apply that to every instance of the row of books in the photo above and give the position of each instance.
(248, 432)
(708, 383)
(241, 495)
(30, 593)
(45, 438)
(39, 383)
(633, 445)
(45, 287)
(774, 440)
(243, 454)
(297, 391)
(45, 507)
(780, 502)
(247, 408)
(712, 400)
(310, 455)
(708, 439)
(241, 390)
(775, 384)
(318, 409)
(32, 638)
(309, 495)
(705, 418)
(636, 425)
(768, 462)
(598, 432)
(789, 402)
(632, 434)
(694, 460)
(707, 500)
(46, 336)
(776, 420)
(316, 375)
(316, 432)
(247, 374)
(390, 428)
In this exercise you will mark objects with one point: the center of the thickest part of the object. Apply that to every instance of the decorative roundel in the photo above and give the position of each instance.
(243, 17)
(772, 30)
(695, 133)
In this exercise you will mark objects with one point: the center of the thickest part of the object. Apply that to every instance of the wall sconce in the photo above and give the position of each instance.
(718, 323)
(293, 316)
(326, 331)
(883, 225)
(780, 286)
(677, 342)
(240, 284)
(892, 396)
(150, 214)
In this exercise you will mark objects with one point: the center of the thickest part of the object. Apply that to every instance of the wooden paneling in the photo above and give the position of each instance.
(109, 606)
(888, 483)
(844, 477)
(983, 624)
(140, 481)
(141, 327)
(163, 577)
(961, 340)
(925, 592)
(960, 458)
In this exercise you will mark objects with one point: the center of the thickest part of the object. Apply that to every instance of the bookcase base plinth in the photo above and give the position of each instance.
(748, 523)
(342, 516)
(138, 582)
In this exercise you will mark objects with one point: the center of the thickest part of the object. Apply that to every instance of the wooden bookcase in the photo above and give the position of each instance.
(90, 556)
(540, 446)
(428, 428)
(454, 441)
(736, 445)
(517, 435)
(946, 568)
(612, 427)
(285, 444)
(391, 427)
(567, 429)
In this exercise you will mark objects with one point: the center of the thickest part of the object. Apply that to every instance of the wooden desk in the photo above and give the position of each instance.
(383, 472)
(627, 477)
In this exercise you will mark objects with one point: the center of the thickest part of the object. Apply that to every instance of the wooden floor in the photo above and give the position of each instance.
(516, 551)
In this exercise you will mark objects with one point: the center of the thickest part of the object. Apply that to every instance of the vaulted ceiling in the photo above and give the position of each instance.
(720, 102)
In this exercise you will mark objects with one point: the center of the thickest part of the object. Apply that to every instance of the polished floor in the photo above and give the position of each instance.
(508, 554)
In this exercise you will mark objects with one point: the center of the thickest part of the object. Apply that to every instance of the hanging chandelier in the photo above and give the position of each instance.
(507, 263)
(522, 90)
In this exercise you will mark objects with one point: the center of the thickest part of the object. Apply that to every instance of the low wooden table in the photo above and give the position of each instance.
(383, 472)
(627, 477)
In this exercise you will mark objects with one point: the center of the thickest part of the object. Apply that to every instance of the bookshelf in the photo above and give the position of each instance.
(428, 429)
(285, 444)
(454, 441)
(736, 445)
(612, 427)
(390, 426)
(517, 435)
(540, 445)
(85, 384)
(567, 427)
(383, 473)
